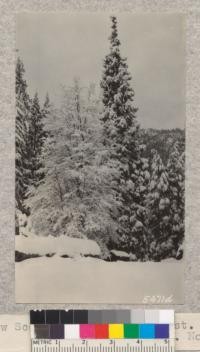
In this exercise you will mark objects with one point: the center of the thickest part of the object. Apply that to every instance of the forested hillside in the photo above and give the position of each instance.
(162, 141)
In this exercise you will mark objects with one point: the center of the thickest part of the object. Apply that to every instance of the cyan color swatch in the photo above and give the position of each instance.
(147, 331)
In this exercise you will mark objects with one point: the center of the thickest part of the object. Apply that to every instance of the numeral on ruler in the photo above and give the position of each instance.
(39, 345)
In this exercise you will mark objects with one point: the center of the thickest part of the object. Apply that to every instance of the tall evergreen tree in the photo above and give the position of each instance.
(21, 136)
(118, 95)
(36, 137)
(121, 138)
(158, 210)
(176, 169)
(47, 106)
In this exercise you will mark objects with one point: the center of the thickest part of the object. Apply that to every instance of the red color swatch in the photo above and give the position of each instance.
(101, 331)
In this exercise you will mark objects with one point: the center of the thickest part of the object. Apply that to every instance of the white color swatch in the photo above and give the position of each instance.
(166, 316)
(72, 331)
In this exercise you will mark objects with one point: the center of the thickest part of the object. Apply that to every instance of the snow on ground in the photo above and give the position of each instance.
(90, 280)
(62, 245)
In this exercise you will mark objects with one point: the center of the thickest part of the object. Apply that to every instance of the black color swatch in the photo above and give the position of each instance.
(37, 317)
(52, 316)
(80, 316)
(66, 316)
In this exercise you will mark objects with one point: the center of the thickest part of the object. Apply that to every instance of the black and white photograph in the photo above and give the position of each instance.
(100, 157)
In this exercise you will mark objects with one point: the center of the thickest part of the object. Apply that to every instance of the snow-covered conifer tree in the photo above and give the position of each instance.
(47, 106)
(176, 171)
(22, 117)
(121, 138)
(36, 137)
(158, 207)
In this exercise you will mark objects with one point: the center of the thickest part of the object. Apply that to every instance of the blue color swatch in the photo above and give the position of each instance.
(161, 331)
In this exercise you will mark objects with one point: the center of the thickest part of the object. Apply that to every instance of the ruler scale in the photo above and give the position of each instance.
(102, 346)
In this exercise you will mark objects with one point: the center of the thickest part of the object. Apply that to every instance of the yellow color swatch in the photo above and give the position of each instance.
(116, 331)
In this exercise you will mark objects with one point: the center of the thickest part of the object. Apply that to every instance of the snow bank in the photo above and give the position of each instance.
(116, 255)
(62, 245)
(119, 253)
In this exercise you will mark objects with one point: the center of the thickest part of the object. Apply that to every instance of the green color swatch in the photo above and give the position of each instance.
(131, 331)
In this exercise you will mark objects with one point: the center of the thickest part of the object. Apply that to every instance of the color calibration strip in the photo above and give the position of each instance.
(134, 316)
(100, 331)
(104, 324)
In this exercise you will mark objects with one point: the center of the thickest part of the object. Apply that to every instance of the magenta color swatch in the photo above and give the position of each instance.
(87, 331)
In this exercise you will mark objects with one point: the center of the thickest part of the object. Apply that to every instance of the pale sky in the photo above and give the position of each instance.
(56, 47)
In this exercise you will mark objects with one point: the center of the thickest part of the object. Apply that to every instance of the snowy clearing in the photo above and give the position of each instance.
(89, 280)
(61, 245)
